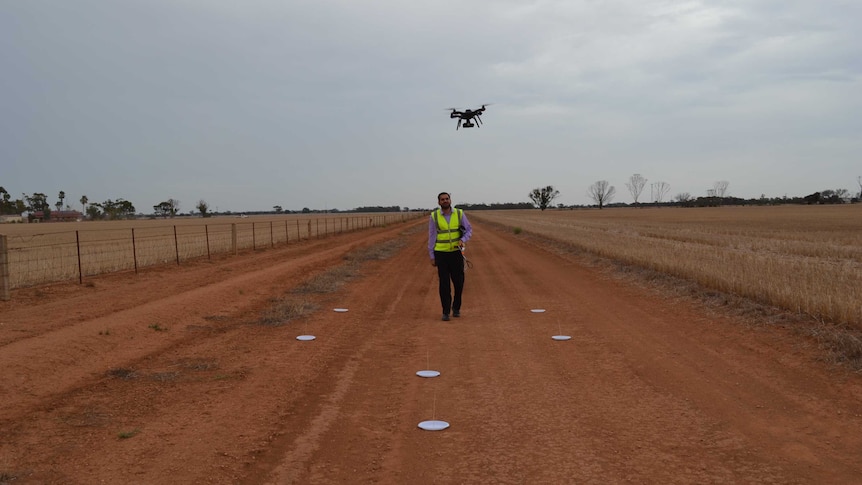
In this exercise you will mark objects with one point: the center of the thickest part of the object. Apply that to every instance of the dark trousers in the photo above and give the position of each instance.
(450, 266)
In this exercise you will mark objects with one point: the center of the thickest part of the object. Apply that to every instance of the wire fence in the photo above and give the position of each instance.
(33, 259)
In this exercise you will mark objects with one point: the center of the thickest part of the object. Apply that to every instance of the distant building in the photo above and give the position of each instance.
(56, 216)
(11, 219)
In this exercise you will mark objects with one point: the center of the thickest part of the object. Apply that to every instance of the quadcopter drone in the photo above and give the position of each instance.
(467, 116)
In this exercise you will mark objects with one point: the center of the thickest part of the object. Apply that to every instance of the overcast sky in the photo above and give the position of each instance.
(340, 104)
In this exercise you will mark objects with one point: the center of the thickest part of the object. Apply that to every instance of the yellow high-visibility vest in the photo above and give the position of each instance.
(447, 233)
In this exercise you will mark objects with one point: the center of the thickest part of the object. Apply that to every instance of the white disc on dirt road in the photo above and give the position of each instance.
(538, 310)
(561, 337)
(427, 373)
(341, 310)
(305, 337)
(433, 425)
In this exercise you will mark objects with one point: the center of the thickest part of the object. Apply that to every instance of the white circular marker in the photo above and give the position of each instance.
(538, 310)
(427, 373)
(305, 337)
(340, 310)
(433, 425)
(561, 337)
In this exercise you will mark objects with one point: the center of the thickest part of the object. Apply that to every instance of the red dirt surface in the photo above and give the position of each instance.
(651, 388)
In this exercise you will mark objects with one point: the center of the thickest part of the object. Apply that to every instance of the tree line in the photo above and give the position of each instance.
(602, 193)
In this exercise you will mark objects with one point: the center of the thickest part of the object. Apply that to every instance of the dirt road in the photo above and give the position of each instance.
(169, 377)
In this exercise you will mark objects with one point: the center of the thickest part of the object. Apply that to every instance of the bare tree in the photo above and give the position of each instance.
(636, 185)
(83, 202)
(601, 192)
(859, 179)
(659, 190)
(720, 188)
(683, 197)
(542, 197)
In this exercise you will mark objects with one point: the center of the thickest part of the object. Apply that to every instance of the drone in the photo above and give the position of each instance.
(467, 116)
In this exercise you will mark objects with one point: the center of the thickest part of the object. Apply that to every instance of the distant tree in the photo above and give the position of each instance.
(9, 206)
(601, 192)
(859, 180)
(830, 196)
(683, 197)
(168, 208)
(118, 209)
(162, 209)
(659, 190)
(94, 211)
(37, 202)
(306, 210)
(278, 209)
(720, 188)
(636, 185)
(203, 207)
(62, 197)
(542, 197)
(83, 202)
(812, 198)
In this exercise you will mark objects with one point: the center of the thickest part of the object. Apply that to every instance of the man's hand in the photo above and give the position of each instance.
(433, 262)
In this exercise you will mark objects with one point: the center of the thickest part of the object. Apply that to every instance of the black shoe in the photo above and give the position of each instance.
(445, 317)
(456, 313)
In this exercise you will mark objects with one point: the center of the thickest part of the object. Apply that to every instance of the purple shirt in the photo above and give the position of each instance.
(432, 230)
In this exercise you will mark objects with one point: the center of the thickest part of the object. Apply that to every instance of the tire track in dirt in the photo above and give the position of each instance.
(352, 438)
(84, 353)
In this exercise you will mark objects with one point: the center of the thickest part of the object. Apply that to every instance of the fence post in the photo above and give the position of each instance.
(78, 245)
(253, 238)
(177, 245)
(5, 294)
(286, 236)
(233, 237)
(207, 233)
(271, 237)
(134, 251)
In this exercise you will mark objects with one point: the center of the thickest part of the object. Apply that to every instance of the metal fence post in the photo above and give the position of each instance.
(78, 245)
(207, 233)
(134, 251)
(233, 238)
(5, 293)
(177, 245)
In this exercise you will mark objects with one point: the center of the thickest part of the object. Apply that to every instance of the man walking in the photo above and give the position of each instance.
(448, 230)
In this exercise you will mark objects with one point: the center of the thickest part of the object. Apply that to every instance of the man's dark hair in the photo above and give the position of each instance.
(442, 194)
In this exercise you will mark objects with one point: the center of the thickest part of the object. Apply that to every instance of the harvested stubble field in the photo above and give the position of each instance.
(802, 259)
(51, 252)
(193, 374)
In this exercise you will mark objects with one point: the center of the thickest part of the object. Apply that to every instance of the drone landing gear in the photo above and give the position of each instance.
(467, 124)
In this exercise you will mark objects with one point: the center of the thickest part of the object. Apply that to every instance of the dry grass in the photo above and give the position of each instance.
(291, 307)
(802, 259)
(283, 310)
